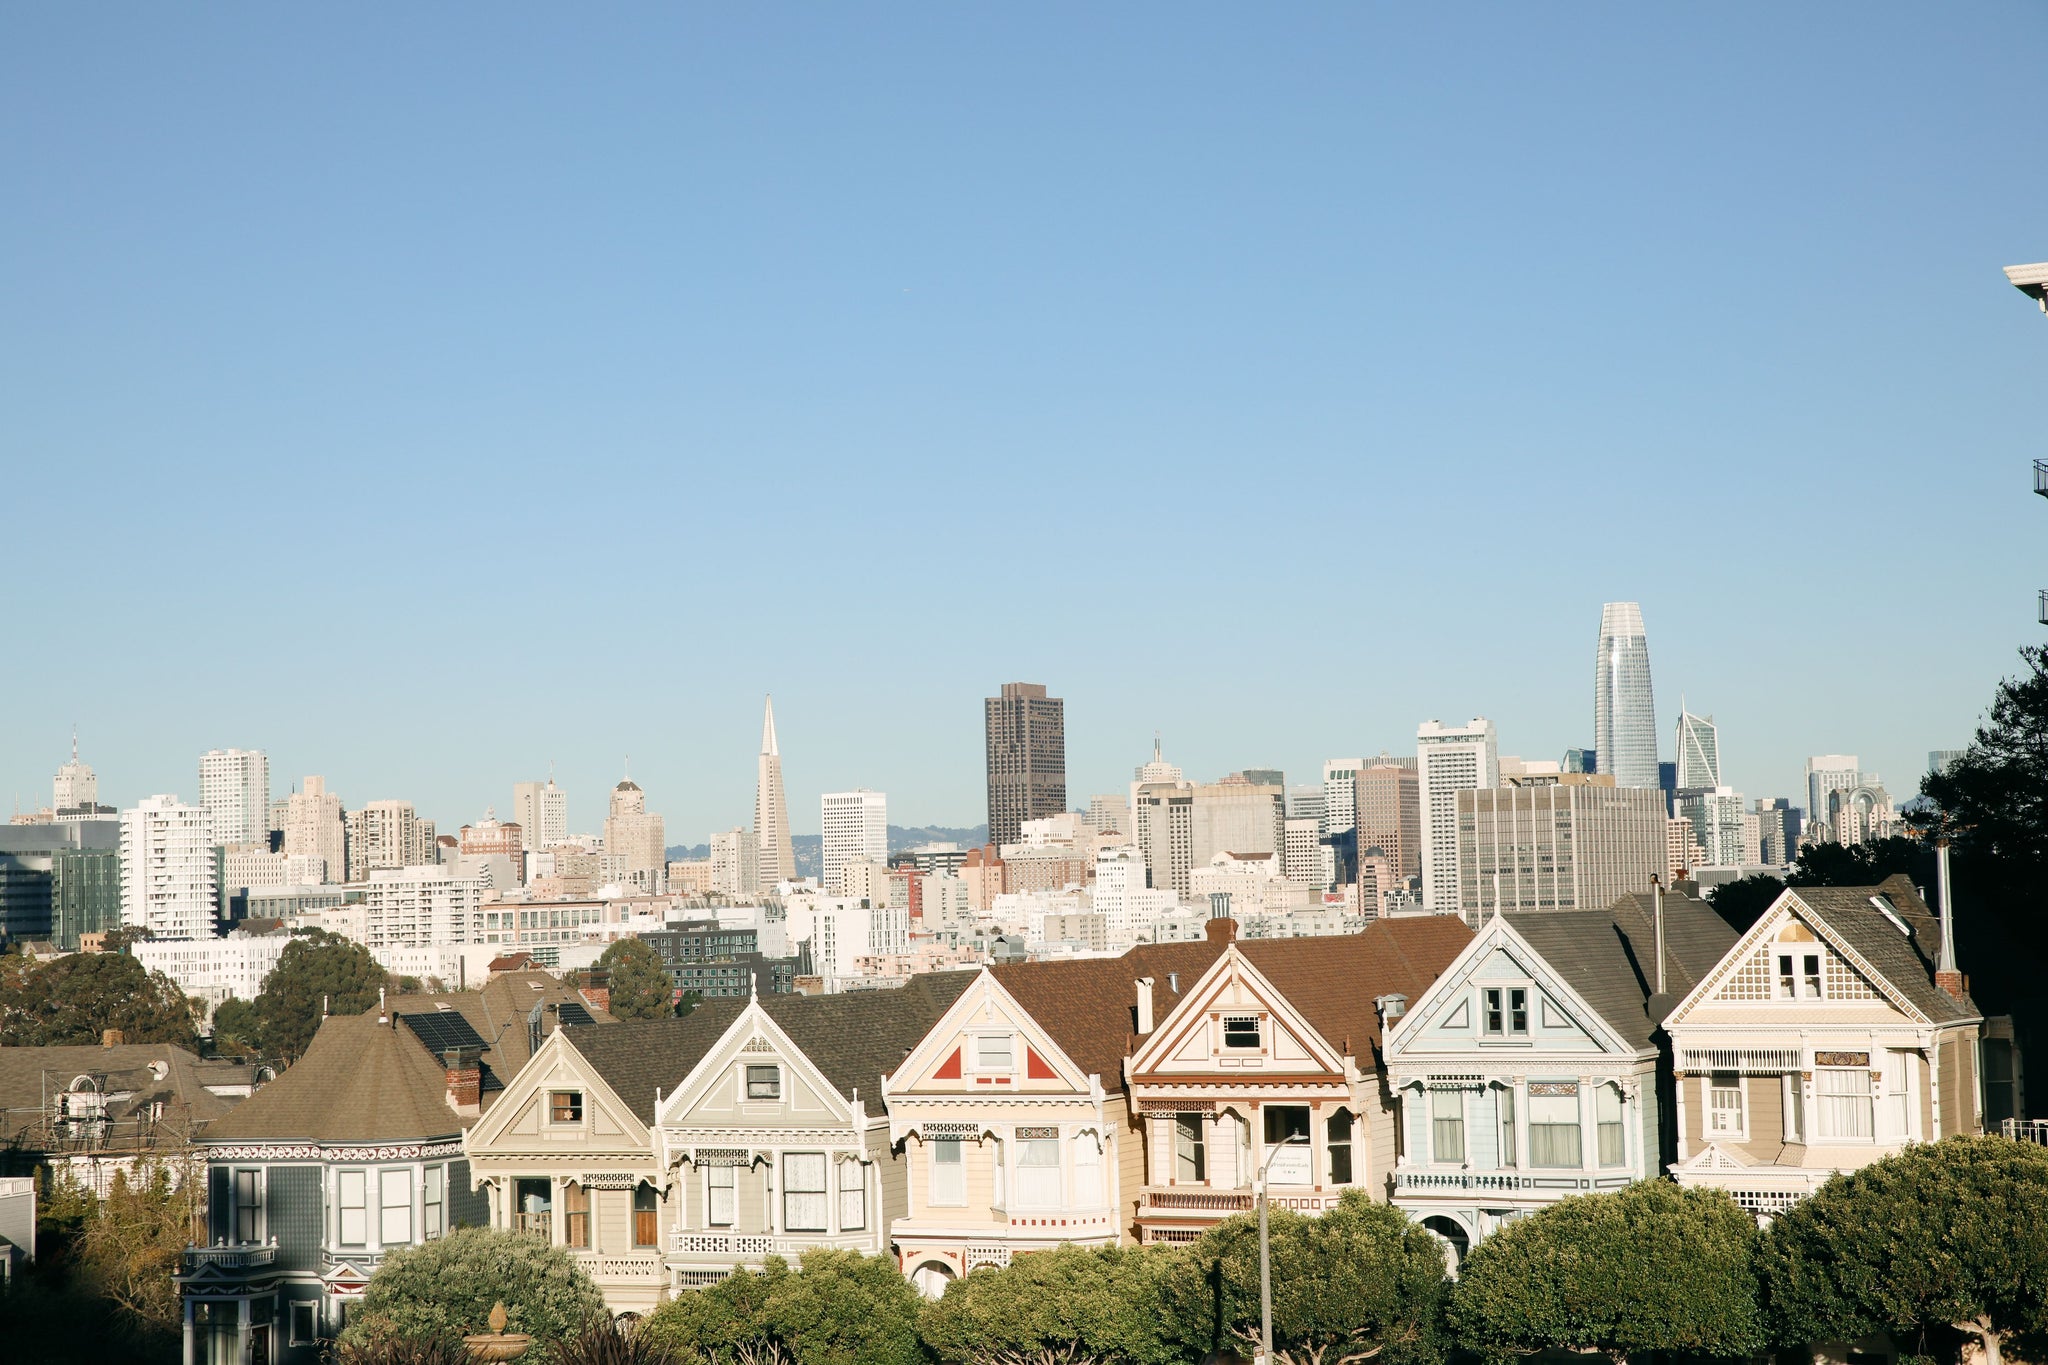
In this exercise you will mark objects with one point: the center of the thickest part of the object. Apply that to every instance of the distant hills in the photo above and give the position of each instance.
(809, 848)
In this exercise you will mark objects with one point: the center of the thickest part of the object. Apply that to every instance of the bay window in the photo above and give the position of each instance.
(853, 1196)
(394, 1189)
(352, 1198)
(1554, 1124)
(1038, 1171)
(803, 1192)
(1842, 1097)
(575, 1215)
(1505, 1099)
(1337, 1145)
(1610, 1132)
(1190, 1150)
(646, 1215)
(949, 1173)
(1447, 1126)
(1726, 1116)
(721, 1195)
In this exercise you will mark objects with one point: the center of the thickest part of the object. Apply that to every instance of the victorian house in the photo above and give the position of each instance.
(1536, 1068)
(1834, 1032)
(1269, 1064)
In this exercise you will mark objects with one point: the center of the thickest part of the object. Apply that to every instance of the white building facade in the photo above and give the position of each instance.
(414, 907)
(856, 827)
(167, 879)
(1449, 759)
(541, 810)
(234, 786)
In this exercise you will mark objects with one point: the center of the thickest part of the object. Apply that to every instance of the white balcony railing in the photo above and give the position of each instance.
(750, 1244)
(245, 1257)
(2027, 1130)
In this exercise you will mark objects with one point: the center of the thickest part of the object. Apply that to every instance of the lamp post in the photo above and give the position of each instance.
(1266, 1254)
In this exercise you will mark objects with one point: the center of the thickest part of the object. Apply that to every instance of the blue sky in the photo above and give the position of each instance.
(422, 394)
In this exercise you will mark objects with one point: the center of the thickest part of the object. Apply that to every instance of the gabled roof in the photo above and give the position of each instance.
(1608, 957)
(359, 1081)
(28, 1076)
(636, 1057)
(1334, 980)
(498, 1013)
(1905, 961)
(1089, 1005)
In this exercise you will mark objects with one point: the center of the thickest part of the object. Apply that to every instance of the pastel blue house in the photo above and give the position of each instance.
(1535, 1067)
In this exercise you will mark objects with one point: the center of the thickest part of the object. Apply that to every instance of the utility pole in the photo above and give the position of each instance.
(1266, 1256)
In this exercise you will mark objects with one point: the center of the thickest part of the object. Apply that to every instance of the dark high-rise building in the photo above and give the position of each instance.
(1027, 759)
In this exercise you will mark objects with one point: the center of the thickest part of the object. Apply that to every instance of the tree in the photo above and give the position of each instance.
(687, 1002)
(318, 973)
(1654, 1267)
(1946, 1235)
(843, 1309)
(1360, 1282)
(446, 1288)
(237, 1028)
(78, 997)
(1832, 864)
(134, 1241)
(1742, 902)
(1052, 1308)
(640, 985)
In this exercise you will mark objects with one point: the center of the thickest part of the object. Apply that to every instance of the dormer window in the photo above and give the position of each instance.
(1504, 1011)
(1799, 976)
(764, 1082)
(995, 1052)
(565, 1106)
(1241, 1031)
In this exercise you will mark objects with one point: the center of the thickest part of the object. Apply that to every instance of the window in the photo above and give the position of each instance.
(1504, 1099)
(853, 1196)
(1087, 1170)
(1241, 1031)
(1337, 1144)
(433, 1205)
(1610, 1134)
(764, 1082)
(1724, 1105)
(1898, 1109)
(565, 1106)
(1190, 1150)
(1554, 1124)
(721, 1184)
(535, 1202)
(305, 1324)
(394, 1189)
(352, 1196)
(575, 1215)
(646, 1206)
(1447, 1126)
(995, 1054)
(1038, 1173)
(1842, 1095)
(1788, 982)
(949, 1173)
(1795, 1108)
(248, 1206)
(1505, 1010)
(1812, 976)
(803, 1192)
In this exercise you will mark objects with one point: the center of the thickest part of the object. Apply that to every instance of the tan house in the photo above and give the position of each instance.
(1836, 1031)
(1276, 1045)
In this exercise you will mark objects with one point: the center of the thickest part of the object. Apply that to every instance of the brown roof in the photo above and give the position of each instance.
(1333, 980)
(30, 1075)
(499, 1014)
(360, 1081)
(1089, 1005)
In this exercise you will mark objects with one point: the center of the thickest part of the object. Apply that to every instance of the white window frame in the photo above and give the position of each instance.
(1828, 1105)
(360, 1177)
(770, 1077)
(1258, 1034)
(1499, 1000)
(949, 1177)
(721, 1179)
(433, 1202)
(386, 1208)
(1601, 1125)
(1441, 1100)
(1044, 1185)
(577, 1098)
(246, 1189)
(813, 1196)
(309, 1307)
(987, 1043)
(853, 1194)
(1722, 1120)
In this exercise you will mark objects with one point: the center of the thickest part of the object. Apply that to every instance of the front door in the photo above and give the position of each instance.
(259, 1344)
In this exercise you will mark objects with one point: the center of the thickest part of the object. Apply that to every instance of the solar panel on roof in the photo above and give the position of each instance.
(439, 1032)
(572, 1012)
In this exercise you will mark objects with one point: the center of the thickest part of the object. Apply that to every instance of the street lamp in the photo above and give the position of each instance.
(1266, 1254)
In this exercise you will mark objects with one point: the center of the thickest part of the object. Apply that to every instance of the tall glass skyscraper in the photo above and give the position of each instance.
(1699, 751)
(1624, 713)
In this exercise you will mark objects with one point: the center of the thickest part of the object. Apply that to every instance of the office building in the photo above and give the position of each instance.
(1108, 813)
(491, 838)
(419, 907)
(1449, 759)
(1305, 802)
(1777, 830)
(1236, 815)
(167, 869)
(1682, 852)
(776, 852)
(1579, 761)
(637, 837)
(1569, 844)
(75, 787)
(1306, 860)
(1026, 734)
(313, 827)
(1827, 773)
(736, 863)
(1624, 710)
(541, 810)
(1340, 795)
(1699, 752)
(716, 961)
(864, 879)
(387, 834)
(1938, 760)
(1389, 799)
(1718, 825)
(234, 786)
(59, 879)
(1165, 817)
(855, 826)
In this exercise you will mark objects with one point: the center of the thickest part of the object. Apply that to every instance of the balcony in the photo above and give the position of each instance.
(754, 1246)
(1418, 1182)
(538, 1224)
(2026, 1130)
(245, 1257)
(1195, 1200)
(2041, 477)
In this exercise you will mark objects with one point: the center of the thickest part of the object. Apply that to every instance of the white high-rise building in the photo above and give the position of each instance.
(541, 810)
(842, 931)
(1624, 708)
(388, 834)
(1450, 759)
(76, 786)
(771, 808)
(1827, 773)
(1340, 795)
(632, 833)
(313, 827)
(856, 826)
(1699, 751)
(417, 907)
(234, 786)
(1122, 897)
(1720, 826)
(167, 884)
(736, 863)
(1306, 859)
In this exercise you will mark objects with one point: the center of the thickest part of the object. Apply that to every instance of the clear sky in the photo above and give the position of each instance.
(422, 393)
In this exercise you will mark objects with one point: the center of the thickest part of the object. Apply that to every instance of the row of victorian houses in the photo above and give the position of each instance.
(974, 1116)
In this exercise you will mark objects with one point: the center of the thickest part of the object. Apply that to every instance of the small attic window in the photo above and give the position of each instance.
(1884, 905)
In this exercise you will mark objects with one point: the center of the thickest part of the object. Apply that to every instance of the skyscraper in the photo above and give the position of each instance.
(855, 829)
(1699, 751)
(313, 827)
(234, 786)
(387, 834)
(1027, 758)
(1449, 759)
(76, 787)
(771, 809)
(1556, 845)
(541, 810)
(634, 834)
(167, 882)
(1390, 815)
(1827, 773)
(1624, 711)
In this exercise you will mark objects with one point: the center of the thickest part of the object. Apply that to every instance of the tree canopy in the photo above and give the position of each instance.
(639, 984)
(1359, 1281)
(1052, 1308)
(318, 973)
(1654, 1267)
(843, 1309)
(1950, 1235)
(78, 997)
(446, 1288)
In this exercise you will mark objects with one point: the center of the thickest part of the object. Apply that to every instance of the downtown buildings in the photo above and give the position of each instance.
(1026, 734)
(774, 854)
(1624, 709)
(234, 787)
(855, 828)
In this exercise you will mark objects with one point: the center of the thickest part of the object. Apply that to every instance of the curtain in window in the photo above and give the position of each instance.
(433, 1198)
(1504, 1101)
(1038, 1173)
(1190, 1152)
(1087, 1170)
(1554, 1126)
(803, 1192)
(853, 1196)
(1447, 1126)
(575, 1215)
(721, 1185)
(949, 1173)
(1612, 1136)
(1842, 1096)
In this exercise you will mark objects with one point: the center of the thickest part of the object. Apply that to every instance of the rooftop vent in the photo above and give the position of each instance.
(1885, 907)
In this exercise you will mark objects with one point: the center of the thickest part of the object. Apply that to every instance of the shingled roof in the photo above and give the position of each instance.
(1334, 980)
(1089, 1005)
(499, 1012)
(1905, 960)
(1609, 956)
(30, 1075)
(359, 1081)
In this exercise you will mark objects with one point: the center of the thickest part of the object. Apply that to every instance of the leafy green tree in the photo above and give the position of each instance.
(317, 973)
(1654, 1267)
(1359, 1282)
(237, 1028)
(78, 997)
(1950, 1235)
(1742, 902)
(843, 1309)
(446, 1288)
(640, 985)
(1868, 864)
(1059, 1307)
(687, 1002)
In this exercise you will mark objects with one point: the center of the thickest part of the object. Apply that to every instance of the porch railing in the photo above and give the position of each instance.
(2026, 1130)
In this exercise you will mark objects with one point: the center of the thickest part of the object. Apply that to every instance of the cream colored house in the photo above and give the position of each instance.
(1833, 1033)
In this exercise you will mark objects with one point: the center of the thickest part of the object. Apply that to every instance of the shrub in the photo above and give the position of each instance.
(446, 1288)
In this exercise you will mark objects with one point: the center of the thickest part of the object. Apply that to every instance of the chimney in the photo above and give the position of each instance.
(1946, 975)
(1657, 914)
(111, 1037)
(1144, 1005)
(1221, 929)
(465, 1074)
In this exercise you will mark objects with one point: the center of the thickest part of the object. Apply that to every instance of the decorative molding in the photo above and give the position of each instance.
(1029, 1134)
(1176, 1106)
(607, 1180)
(969, 1132)
(1841, 1059)
(310, 1151)
(757, 1044)
(721, 1156)
(1554, 1089)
